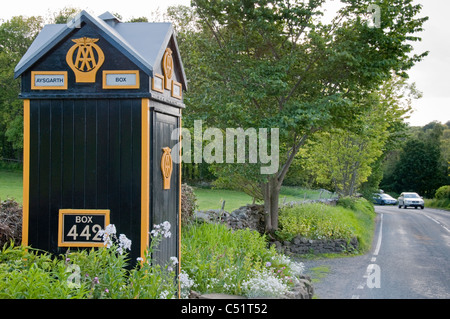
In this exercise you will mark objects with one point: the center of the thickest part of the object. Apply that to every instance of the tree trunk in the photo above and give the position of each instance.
(271, 191)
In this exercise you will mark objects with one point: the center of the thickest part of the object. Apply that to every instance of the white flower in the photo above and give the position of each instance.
(110, 229)
(124, 242)
(161, 229)
(185, 281)
(174, 260)
(264, 284)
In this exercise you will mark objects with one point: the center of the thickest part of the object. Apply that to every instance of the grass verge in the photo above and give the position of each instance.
(11, 185)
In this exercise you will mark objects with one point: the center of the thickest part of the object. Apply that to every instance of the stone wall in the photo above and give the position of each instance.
(300, 245)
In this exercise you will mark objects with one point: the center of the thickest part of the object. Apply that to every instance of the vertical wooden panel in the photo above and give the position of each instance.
(67, 154)
(102, 161)
(164, 202)
(125, 173)
(90, 191)
(79, 155)
(55, 167)
(44, 173)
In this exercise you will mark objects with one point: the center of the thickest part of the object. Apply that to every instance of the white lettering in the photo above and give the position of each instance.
(83, 219)
(198, 309)
(212, 152)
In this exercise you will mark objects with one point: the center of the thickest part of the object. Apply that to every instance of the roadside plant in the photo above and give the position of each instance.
(98, 273)
(219, 260)
(149, 279)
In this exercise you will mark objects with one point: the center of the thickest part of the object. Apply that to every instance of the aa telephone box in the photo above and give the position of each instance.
(101, 100)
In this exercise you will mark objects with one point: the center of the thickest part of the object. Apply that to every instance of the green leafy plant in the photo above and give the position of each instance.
(350, 218)
(218, 259)
(88, 274)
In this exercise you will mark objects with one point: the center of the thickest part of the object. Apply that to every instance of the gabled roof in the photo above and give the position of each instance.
(143, 43)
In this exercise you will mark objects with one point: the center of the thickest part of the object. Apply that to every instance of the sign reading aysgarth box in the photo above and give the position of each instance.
(121, 79)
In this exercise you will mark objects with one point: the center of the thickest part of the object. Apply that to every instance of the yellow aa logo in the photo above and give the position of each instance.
(167, 66)
(166, 167)
(85, 58)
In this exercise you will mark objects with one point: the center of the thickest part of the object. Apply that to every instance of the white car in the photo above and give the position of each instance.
(411, 200)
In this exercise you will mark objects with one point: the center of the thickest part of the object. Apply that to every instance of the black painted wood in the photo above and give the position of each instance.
(80, 158)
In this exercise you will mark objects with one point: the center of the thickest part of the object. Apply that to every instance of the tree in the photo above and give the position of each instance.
(275, 64)
(16, 35)
(418, 169)
(346, 158)
(343, 158)
(420, 164)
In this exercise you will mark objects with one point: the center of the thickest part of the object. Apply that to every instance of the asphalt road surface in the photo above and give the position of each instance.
(409, 259)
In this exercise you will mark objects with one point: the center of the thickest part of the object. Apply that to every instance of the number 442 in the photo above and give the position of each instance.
(87, 232)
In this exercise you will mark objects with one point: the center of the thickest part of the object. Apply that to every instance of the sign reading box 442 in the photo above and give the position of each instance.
(80, 227)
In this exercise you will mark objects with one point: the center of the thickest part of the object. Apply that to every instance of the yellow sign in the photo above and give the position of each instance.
(166, 167)
(85, 58)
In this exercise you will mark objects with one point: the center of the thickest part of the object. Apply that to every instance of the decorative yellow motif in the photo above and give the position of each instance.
(166, 167)
(86, 63)
(167, 66)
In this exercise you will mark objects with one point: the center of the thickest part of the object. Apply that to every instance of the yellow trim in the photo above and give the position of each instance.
(34, 87)
(121, 87)
(177, 84)
(145, 175)
(26, 171)
(63, 212)
(157, 89)
(179, 213)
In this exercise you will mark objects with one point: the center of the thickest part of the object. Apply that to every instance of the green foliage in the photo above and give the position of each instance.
(221, 260)
(443, 192)
(315, 221)
(275, 64)
(350, 218)
(27, 273)
(418, 169)
(438, 203)
(420, 162)
(16, 35)
(441, 198)
(345, 159)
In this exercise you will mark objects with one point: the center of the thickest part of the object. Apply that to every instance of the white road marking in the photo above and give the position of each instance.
(372, 267)
(377, 249)
(437, 222)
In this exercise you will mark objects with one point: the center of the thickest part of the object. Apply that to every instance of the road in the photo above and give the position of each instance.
(409, 259)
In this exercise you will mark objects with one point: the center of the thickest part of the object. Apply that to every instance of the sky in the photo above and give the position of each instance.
(431, 76)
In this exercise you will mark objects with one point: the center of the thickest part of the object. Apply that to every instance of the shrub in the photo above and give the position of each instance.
(315, 221)
(10, 222)
(443, 192)
(350, 218)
